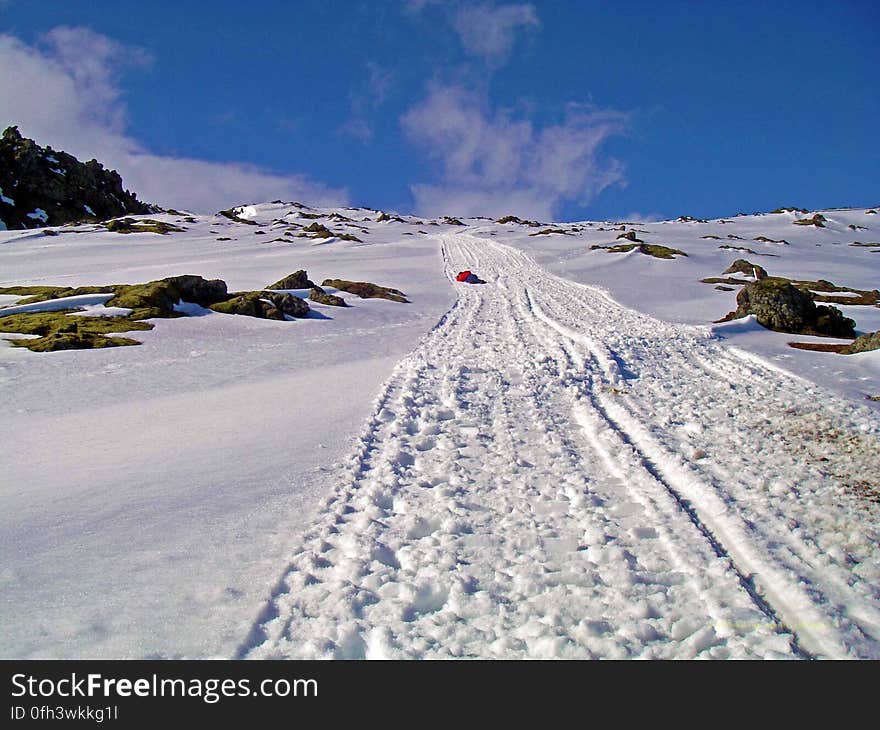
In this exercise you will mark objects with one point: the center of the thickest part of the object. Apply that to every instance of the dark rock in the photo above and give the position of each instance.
(197, 290)
(741, 266)
(233, 216)
(321, 297)
(366, 290)
(296, 280)
(779, 306)
(50, 188)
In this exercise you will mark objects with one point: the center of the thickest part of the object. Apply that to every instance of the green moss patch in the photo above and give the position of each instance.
(61, 331)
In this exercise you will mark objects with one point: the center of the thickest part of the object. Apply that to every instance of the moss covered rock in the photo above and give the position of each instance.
(296, 280)
(649, 249)
(322, 297)
(779, 306)
(263, 305)
(817, 220)
(157, 298)
(366, 290)
(864, 343)
(144, 225)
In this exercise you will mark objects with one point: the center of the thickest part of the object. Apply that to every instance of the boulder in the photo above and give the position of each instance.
(779, 306)
(197, 290)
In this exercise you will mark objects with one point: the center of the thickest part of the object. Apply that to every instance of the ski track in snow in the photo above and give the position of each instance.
(550, 474)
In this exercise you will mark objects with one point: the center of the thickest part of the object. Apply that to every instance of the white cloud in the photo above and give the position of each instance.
(64, 92)
(490, 31)
(492, 163)
(366, 99)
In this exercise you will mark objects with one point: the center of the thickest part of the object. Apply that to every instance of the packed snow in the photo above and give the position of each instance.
(570, 460)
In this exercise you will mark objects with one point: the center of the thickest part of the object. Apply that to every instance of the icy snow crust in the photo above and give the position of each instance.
(546, 473)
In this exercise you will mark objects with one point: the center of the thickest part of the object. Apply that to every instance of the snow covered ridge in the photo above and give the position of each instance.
(570, 460)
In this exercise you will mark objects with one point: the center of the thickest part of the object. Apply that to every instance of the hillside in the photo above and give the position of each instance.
(574, 459)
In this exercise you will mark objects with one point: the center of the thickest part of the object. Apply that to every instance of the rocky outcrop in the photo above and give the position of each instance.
(322, 297)
(366, 290)
(779, 306)
(864, 343)
(42, 187)
(296, 280)
(817, 220)
(263, 305)
(157, 298)
(741, 266)
(143, 225)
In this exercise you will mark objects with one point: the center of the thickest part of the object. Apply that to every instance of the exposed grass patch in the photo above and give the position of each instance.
(818, 347)
(36, 294)
(725, 280)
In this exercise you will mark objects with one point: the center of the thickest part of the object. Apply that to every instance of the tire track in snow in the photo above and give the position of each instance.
(502, 503)
(802, 606)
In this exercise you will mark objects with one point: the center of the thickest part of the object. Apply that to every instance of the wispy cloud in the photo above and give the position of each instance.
(366, 99)
(65, 91)
(489, 31)
(493, 162)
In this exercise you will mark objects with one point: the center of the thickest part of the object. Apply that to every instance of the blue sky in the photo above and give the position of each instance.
(570, 110)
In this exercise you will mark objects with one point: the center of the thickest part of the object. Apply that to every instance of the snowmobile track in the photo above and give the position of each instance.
(550, 474)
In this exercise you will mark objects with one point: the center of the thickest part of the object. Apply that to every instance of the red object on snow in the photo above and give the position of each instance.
(463, 276)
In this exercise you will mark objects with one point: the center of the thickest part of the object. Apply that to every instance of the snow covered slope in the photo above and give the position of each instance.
(544, 472)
